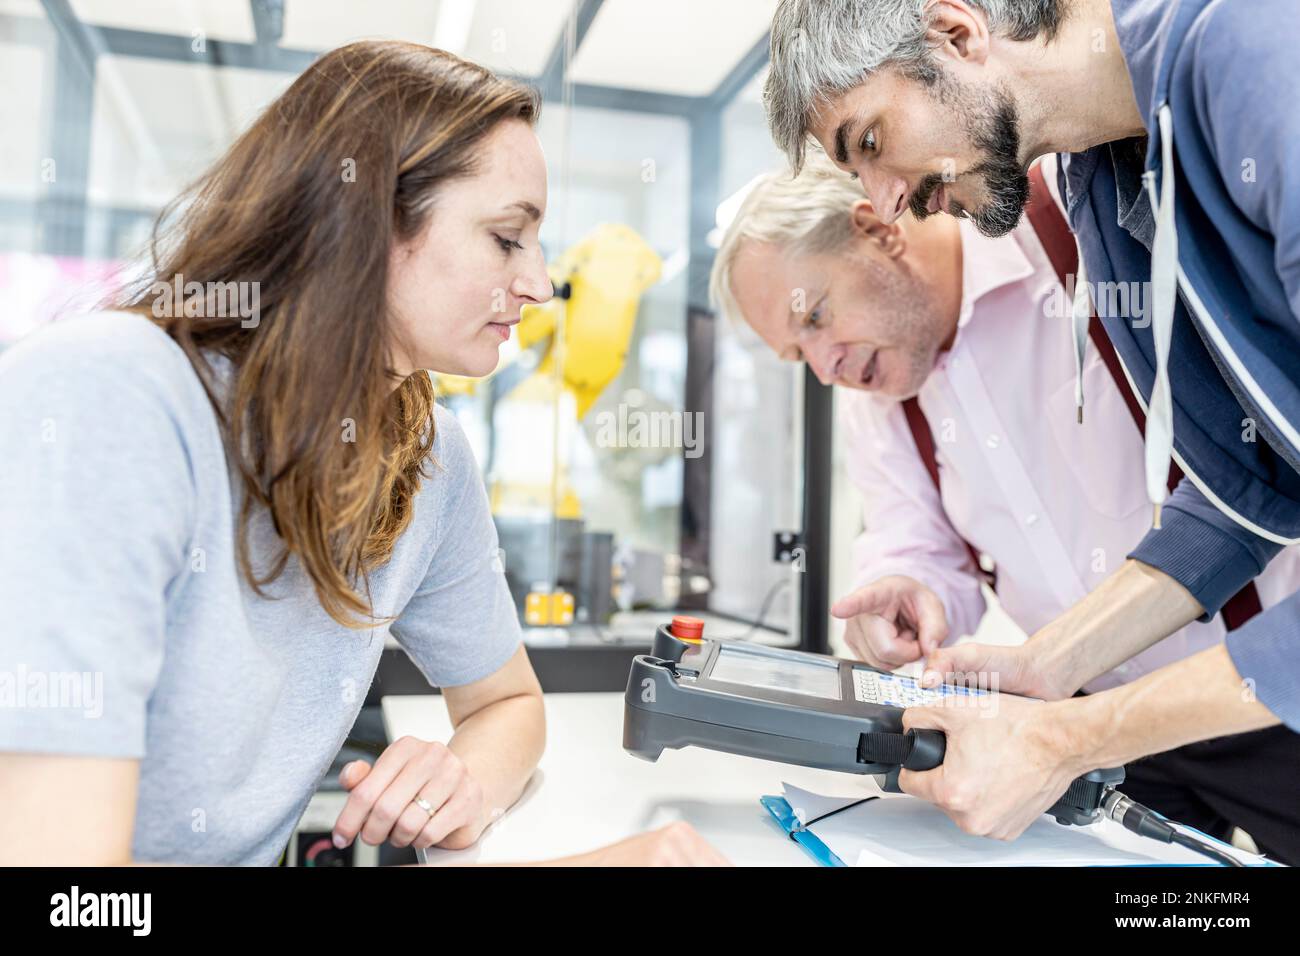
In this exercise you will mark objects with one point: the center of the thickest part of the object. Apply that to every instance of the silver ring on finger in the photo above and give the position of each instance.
(425, 805)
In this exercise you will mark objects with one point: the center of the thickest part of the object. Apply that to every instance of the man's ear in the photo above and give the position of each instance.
(890, 237)
(957, 31)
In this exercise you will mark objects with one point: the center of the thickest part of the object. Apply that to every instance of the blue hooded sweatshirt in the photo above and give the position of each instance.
(1195, 231)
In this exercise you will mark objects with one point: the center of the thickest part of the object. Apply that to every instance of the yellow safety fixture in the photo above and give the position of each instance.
(548, 609)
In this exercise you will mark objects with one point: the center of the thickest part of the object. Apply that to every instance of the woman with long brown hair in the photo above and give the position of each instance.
(223, 493)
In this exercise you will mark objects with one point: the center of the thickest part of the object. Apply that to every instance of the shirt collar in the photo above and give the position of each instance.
(988, 264)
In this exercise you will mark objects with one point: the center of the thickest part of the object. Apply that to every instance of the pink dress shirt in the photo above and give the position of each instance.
(1056, 505)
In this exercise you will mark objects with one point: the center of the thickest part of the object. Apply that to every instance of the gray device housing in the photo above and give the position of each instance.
(672, 702)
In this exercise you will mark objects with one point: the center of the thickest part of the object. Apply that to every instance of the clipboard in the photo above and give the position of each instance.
(781, 811)
(787, 821)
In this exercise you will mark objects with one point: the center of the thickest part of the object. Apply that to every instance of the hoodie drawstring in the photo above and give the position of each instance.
(1164, 291)
(1080, 317)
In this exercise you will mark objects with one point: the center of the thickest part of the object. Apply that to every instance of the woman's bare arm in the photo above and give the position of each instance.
(500, 733)
(66, 810)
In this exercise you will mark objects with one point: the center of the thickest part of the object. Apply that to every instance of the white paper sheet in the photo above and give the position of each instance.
(899, 830)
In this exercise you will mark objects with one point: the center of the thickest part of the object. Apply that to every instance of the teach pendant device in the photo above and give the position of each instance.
(799, 708)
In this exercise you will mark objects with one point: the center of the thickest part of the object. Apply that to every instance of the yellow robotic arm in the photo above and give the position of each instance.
(601, 281)
(606, 275)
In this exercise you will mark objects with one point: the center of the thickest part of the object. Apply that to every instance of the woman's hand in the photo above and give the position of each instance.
(418, 794)
(674, 845)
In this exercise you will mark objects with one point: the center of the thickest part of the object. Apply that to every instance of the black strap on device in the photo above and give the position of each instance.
(915, 750)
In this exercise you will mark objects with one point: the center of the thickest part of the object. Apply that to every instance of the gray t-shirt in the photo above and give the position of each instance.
(126, 629)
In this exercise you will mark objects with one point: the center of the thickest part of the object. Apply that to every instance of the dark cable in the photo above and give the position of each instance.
(848, 806)
(766, 606)
(1205, 849)
(1145, 822)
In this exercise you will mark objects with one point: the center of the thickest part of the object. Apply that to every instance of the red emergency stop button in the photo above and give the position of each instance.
(687, 628)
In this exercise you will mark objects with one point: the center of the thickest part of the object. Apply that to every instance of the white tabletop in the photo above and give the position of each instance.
(589, 792)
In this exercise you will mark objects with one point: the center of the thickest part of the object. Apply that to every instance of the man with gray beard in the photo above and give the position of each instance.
(1177, 178)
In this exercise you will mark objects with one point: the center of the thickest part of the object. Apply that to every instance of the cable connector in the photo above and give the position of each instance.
(1145, 822)
(1136, 818)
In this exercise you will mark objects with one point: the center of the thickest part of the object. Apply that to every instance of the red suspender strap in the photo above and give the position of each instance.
(1054, 234)
(1241, 607)
(924, 439)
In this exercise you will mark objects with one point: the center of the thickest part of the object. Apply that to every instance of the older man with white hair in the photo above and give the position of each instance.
(957, 372)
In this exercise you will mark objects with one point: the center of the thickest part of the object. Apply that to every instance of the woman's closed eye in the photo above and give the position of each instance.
(507, 245)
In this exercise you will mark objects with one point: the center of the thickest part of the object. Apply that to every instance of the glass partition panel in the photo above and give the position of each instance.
(641, 456)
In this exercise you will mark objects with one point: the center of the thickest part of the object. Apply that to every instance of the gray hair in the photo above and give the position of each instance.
(806, 214)
(823, 48)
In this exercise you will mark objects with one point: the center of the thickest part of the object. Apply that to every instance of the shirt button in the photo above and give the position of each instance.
(992, 441)
(1031, 519)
